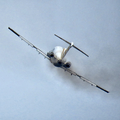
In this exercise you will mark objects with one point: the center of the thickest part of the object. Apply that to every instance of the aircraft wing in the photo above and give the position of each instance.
(33, 46)
(84, 79)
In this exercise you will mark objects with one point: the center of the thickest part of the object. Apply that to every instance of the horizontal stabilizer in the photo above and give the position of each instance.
(72, 46)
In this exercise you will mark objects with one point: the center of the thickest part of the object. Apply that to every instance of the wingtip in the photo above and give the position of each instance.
(102, 89)
(87, 55)
(13, 31)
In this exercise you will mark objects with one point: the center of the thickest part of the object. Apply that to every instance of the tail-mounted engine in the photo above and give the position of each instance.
(67, 65)
(50, 54)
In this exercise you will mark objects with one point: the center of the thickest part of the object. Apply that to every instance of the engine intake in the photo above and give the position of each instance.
(50, 54)
(67, 65)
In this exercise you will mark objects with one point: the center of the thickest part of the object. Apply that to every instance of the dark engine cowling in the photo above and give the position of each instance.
(58, 63)
(67, 65)
(50, 54)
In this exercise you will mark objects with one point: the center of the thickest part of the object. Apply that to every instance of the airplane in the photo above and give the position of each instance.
(57, 55)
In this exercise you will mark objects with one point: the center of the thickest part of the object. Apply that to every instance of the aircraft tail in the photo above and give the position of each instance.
(72, 45)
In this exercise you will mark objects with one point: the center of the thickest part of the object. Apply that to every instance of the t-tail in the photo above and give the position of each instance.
(71, 45)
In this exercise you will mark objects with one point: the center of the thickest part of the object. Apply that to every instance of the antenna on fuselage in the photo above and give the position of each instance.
(72, 45)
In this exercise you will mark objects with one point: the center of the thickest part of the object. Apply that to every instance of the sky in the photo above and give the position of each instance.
(31, 88)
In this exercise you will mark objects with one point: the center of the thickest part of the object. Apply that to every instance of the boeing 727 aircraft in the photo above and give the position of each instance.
(57, 55)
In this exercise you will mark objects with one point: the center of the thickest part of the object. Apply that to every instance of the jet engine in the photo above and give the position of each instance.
(50, 54)
(67, 65)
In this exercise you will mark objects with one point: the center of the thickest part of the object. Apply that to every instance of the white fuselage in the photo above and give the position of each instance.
(57, 57)
(58, 52)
